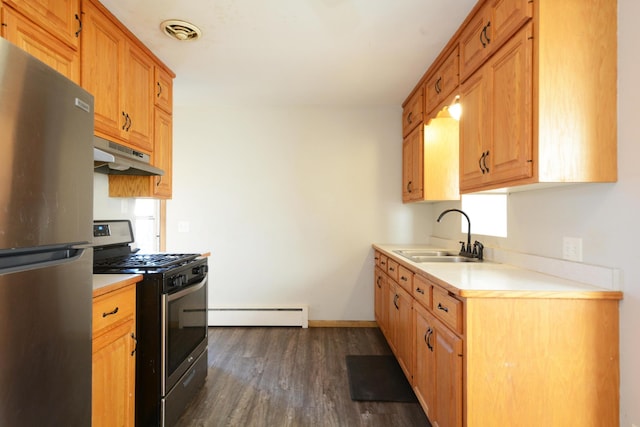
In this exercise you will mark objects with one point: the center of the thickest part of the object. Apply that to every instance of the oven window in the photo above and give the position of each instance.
(186, 326)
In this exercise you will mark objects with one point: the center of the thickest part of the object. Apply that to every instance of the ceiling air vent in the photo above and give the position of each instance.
(180, 30)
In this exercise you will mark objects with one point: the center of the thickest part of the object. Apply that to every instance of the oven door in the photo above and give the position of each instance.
(184, 331)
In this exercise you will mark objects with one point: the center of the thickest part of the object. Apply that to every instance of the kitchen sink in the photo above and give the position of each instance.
(426, 255)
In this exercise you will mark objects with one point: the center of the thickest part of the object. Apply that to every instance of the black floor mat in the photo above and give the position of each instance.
(378, 378)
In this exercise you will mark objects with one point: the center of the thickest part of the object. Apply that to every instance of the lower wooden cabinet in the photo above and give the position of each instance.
(502, 357)
(114, 361)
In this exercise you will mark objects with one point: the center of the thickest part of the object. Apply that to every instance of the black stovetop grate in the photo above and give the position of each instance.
(141, 261)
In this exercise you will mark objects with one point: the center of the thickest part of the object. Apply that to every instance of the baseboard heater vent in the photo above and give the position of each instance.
(297, 315)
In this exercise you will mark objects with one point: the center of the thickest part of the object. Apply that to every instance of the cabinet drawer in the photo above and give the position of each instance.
(383, 262)
(405, 278)
(447, 308)
(422, 291)
(392, 269)
(443, 82)
(111, 308)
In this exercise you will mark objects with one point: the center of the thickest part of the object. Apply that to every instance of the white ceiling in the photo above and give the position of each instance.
(296, 52)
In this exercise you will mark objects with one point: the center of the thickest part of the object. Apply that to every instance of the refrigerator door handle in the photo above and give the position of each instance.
(39, 259)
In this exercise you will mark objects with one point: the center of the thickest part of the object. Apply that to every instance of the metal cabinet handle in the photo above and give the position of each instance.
(404, 279)
(395, 301)
(159, 89)
(484, 161)
(391, 269)
(135, 340)
(485, 32)
(427, 338)
(480, 163)
(79, 25)
(409, 186)
(409, 117)
(443, 308)
(420, 291)
(130, 122)
(124, 116)
(378, 281)
(114, 311)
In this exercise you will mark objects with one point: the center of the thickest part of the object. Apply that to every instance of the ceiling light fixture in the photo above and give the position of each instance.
(180, 30)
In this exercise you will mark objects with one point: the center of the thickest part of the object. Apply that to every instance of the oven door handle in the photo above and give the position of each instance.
(189, 290)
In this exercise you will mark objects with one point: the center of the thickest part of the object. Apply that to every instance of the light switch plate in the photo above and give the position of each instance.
(183, 226)
(572, 248)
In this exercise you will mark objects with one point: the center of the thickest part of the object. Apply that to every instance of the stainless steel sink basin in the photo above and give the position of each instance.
(419, 256)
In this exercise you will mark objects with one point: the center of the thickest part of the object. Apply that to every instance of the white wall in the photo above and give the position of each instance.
(289, 200)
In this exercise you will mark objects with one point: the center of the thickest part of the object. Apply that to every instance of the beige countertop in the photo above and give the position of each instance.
(494, 280)
(104, 283)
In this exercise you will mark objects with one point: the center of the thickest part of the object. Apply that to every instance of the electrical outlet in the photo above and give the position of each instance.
(572, 248)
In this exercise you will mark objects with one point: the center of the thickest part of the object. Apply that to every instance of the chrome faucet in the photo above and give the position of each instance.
(475, 251)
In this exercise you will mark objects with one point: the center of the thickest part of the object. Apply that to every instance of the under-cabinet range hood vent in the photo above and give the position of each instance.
(115, 159)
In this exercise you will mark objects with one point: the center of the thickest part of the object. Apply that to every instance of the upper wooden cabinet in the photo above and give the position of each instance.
(540, 111)
(495, 127)
(61, 18)
(120, 75)
(413, 112)
(430, 159)
(442, 82)
(34, 39)
(163, 90)
(412, 164)
(490, 27)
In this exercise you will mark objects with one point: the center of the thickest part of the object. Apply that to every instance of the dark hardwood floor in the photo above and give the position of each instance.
(290, 377)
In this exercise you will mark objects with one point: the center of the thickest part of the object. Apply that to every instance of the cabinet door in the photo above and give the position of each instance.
(473, 122)
(404, 333)
(113, 373)
(33, 39)
(163, 90)
(61, 18)
(424, 367)
(474, 44)
(510, 78)
(412, 166)
(138, 86)
(392, 315)
(381, 296)
(102, 56)
(443, 82)
(163, 154)
(448, 376)
(412, 114)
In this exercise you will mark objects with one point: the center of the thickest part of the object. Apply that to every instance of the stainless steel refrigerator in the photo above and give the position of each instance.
(46, 214)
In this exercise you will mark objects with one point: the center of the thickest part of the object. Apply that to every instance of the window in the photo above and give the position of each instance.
(146, 225)
(488, 214)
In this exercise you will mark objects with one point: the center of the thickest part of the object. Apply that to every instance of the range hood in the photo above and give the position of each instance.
(115, 159)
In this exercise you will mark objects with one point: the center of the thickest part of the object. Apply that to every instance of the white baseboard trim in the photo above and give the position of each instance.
(280, 315)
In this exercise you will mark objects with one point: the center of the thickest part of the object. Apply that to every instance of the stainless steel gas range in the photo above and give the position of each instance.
(171, 323)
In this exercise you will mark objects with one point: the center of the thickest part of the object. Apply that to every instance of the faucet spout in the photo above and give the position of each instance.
(468, 224)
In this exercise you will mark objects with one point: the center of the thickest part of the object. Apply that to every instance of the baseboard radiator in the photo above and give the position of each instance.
(282, 315)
